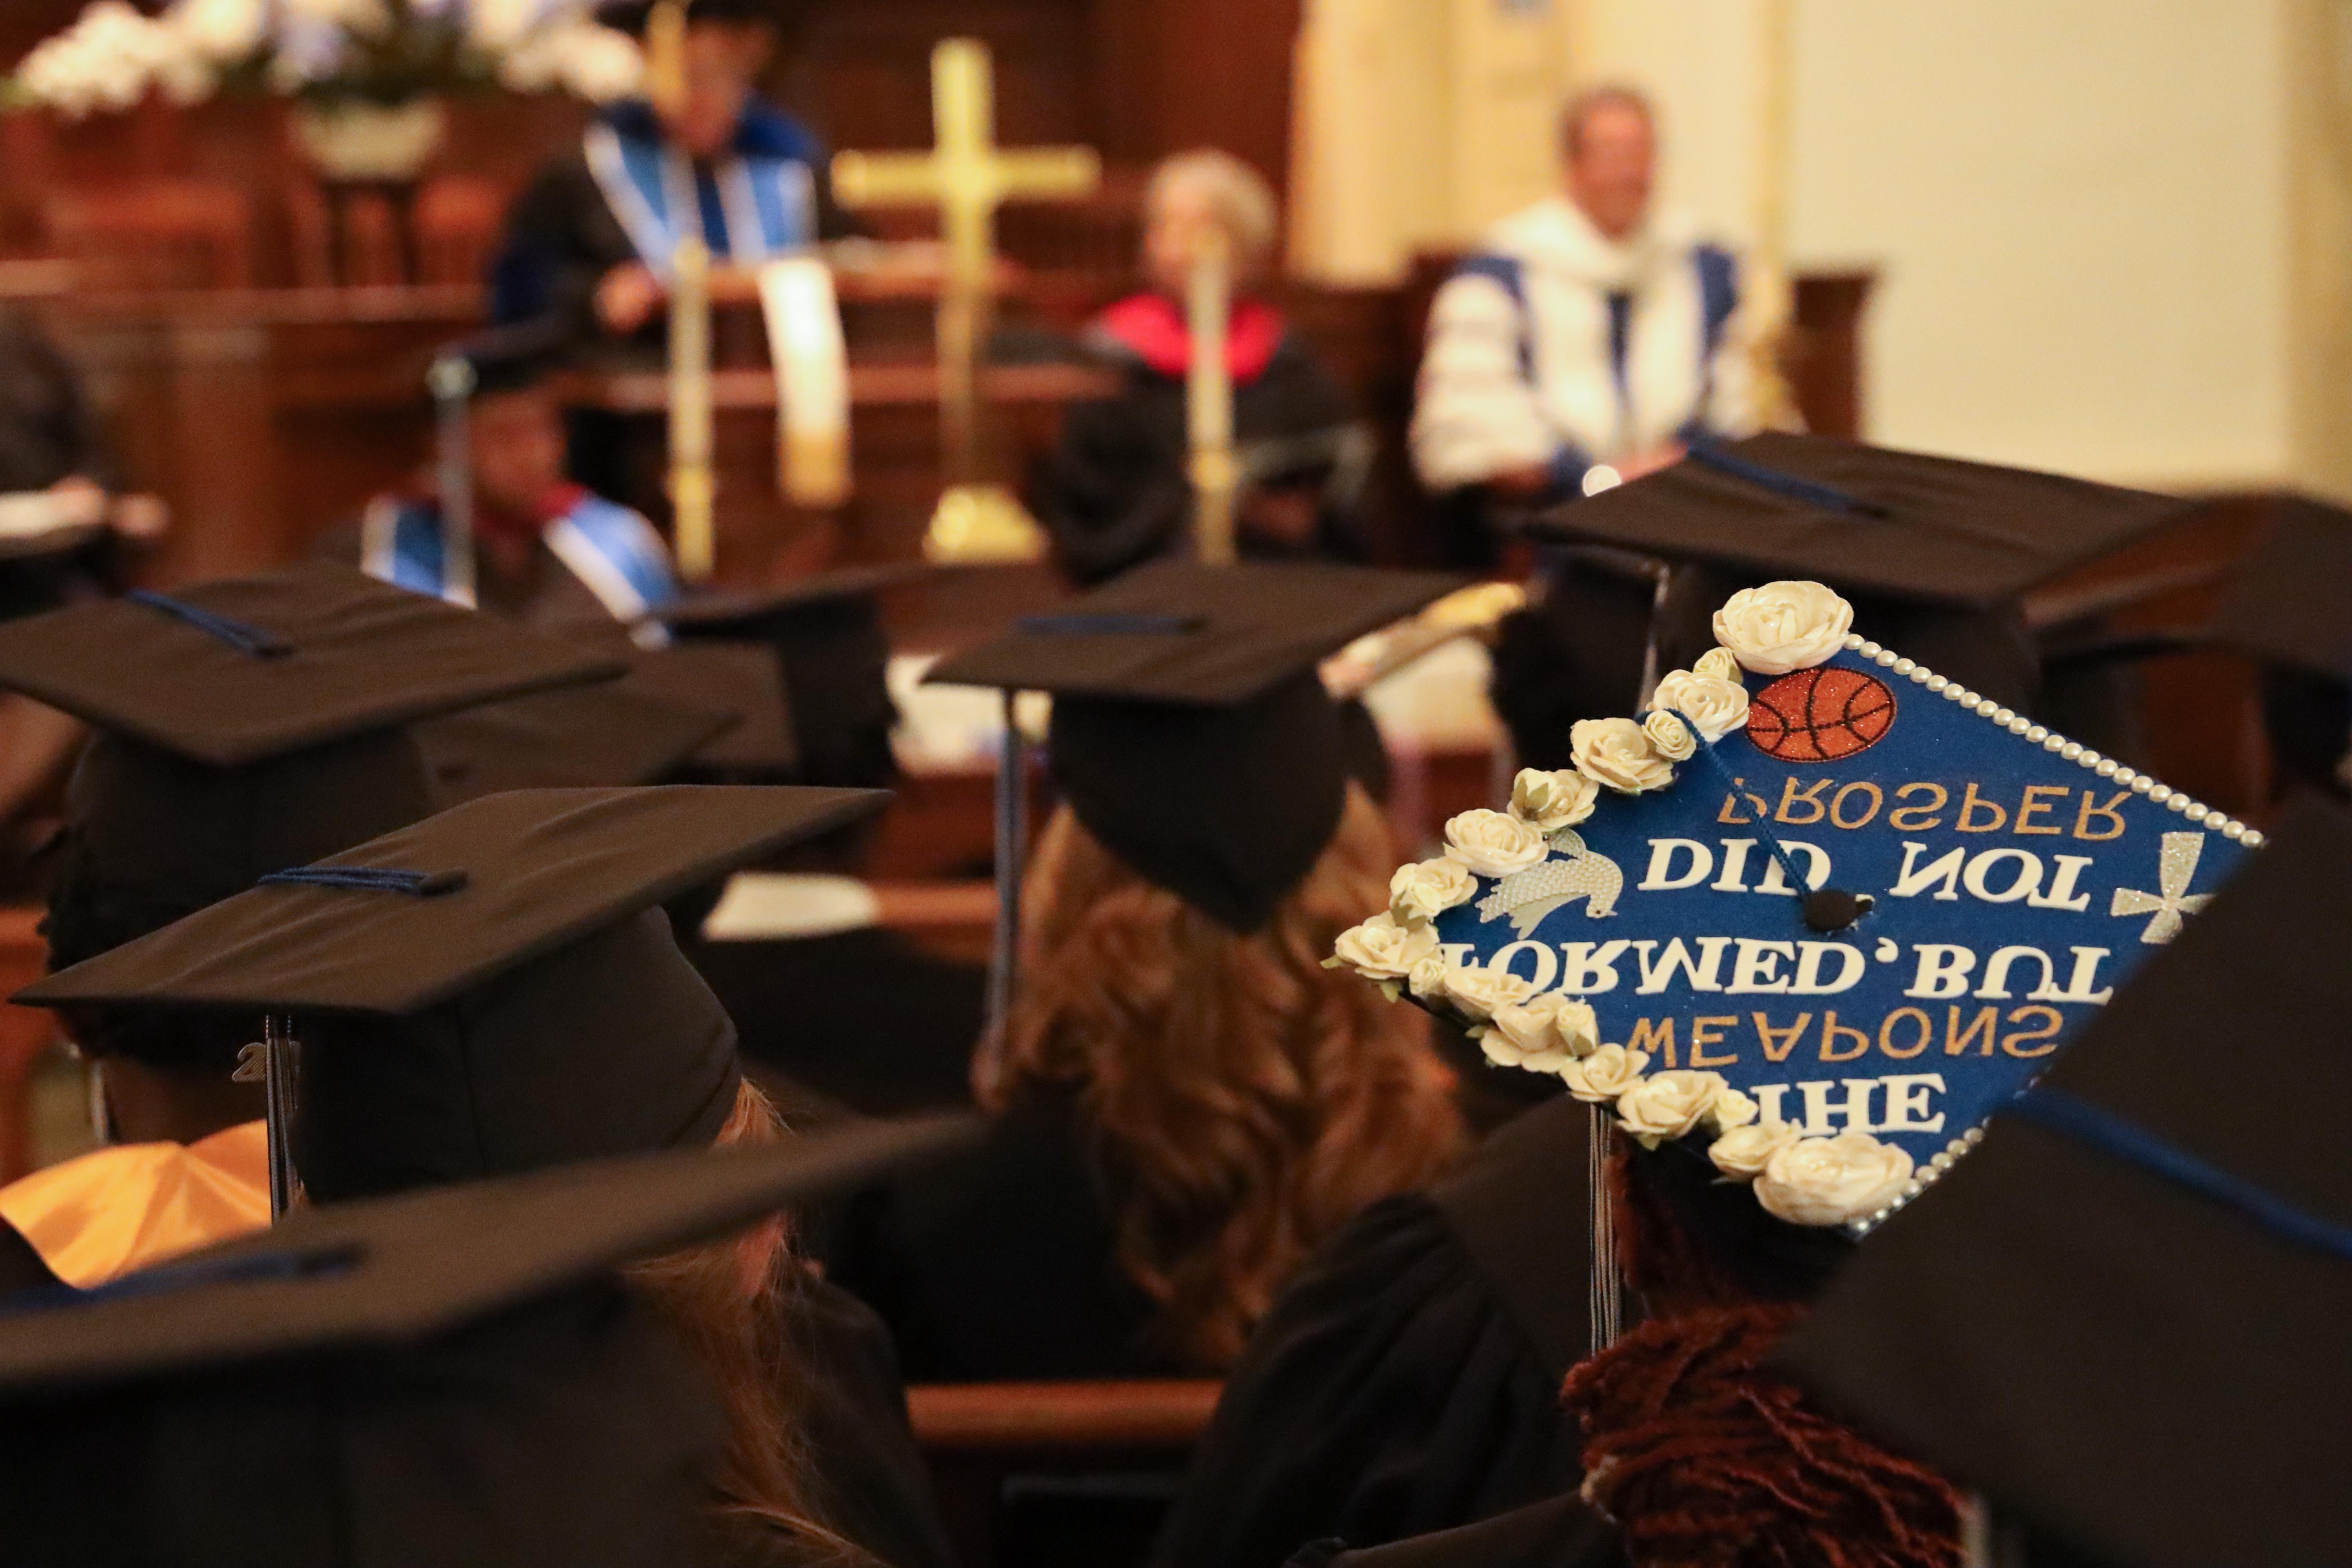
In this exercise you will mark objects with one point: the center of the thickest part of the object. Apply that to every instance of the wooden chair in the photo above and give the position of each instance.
(26, 1035)
(158, 235)
(983, 1439)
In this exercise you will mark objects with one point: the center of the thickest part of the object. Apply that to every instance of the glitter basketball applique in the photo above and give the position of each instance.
(1821, 715)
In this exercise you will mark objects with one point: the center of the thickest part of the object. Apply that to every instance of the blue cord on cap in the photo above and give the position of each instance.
(1813, 492)
(368, 879)
(1109, 624)
(2072, 1117)
(238, 634)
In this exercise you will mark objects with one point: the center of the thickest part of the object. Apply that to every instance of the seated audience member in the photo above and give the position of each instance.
(1184, 1101)
(456, 1378)
(1698, 1451)
(1585, 342)
(528, 542)
(1407, 1380)
(212, 768)
(65, 530)
(1118, 491)
(452, 1034)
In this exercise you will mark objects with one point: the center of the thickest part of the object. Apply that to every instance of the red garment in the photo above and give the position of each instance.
(1152, 328)
(553, 507)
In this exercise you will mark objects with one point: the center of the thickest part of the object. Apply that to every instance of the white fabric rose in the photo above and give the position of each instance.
(1419, 893)
(1662, 1109)
(1617, 753)
(1606, 1074)
(1744, 1152)
(1731, 1108)
(1719, 664)
(1427, 980)
(1482, 992)
(1783, 627)
(1579, 1029)
(1710, 704)
(1552, 801)
(1543, 1034)
(1380, 949)
(1494, 842)
(1833, 1180)
(1669, 736)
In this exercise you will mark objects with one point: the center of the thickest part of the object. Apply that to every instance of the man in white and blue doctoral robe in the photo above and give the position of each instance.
(1588, 339)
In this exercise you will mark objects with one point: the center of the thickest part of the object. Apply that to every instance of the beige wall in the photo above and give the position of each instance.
(2112, 237)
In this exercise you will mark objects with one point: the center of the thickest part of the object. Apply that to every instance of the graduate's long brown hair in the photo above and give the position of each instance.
(730, 1301)
(1242, 1100)
(1706, 1456)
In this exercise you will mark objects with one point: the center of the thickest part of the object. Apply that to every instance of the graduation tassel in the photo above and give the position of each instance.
(280, 1061)
(1012, 830)
(1605, 1306)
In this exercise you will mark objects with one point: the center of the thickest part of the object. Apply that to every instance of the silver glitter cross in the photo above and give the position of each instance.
(2176, 867)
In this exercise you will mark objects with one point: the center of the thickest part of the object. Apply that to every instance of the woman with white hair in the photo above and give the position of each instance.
(1116, 493)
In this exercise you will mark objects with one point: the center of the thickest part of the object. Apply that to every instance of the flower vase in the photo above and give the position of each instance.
(351, 142)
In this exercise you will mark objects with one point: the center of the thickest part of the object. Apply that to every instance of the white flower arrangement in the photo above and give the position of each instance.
(1812, 1181)
(388, 52)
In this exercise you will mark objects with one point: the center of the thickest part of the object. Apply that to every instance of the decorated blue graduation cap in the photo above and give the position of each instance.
(2121, 1318)
(1872, 903)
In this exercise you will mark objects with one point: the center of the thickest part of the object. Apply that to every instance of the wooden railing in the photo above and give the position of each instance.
(978, 1437)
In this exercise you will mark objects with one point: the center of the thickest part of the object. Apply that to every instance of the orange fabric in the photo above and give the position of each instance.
(123, 1208)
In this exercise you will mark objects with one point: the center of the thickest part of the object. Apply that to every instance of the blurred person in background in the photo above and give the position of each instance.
(1117, 492)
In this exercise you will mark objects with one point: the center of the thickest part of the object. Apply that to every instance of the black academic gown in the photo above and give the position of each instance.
(870, 1482)
(1115, 492)
(865, 1018)
(560, 239)
(48, 432)
(997, 1263)
(21, 1267)
(1559, 1533)
(1408, 1380)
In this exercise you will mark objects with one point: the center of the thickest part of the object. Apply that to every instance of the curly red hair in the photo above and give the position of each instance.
(1703, 1454)
(1245, 1100)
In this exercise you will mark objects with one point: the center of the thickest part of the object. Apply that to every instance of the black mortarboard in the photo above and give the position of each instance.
(500, 359)
(827, 635)
(247, 725)
(2122, 1315)
(243, 670)
(1867, 519)
(445, 1378)
(1191, 733)
(489, 990)
(608, 735)
(2292, 601)
(741, 679)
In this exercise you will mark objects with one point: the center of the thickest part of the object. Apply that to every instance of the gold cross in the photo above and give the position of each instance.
(967, 176)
